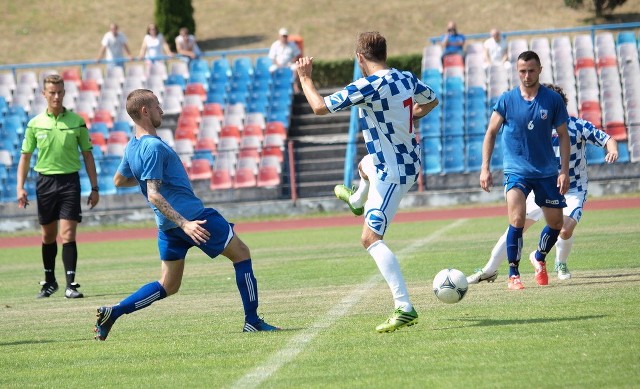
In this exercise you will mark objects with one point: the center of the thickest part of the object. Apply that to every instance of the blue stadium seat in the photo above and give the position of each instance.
(595, 155)
(199, 66)
(473, 153)
(626, 37)
(430, 126)
(122, 125)
(199, 77)
(623, 152)
(242, 68)
(100, 127)
(176, 79)
(261, 70)
(496, 157)
(216, 95)
(3, 106)
(453, 154)
(128, 190)
(220, 70)
(432, 155)
(105, 182)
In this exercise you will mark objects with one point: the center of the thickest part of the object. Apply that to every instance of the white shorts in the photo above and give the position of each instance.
(575, 202)
(382, 204)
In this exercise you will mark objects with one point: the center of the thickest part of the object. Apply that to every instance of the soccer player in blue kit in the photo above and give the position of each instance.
(183, 221)
(528, 115)
(581, 133)
(388, 101)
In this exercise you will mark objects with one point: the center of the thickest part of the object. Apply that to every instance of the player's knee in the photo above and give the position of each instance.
(171, 287)
(566, 234)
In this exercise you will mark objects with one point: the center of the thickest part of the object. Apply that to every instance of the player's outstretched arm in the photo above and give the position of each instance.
(304, 69)
(565, 152)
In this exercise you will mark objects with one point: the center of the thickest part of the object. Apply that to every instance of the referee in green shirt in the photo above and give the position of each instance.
(59, 135)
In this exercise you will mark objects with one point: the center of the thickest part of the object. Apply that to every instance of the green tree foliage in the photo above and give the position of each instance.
(599, 6)
(171, 15)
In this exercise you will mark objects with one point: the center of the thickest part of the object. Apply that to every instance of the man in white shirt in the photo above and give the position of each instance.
(186, 44)
(284, 53)
(495, 49)
(114, 45)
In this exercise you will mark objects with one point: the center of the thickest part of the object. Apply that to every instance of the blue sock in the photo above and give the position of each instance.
(144, 297)
(248, 288)
(548, 238)
(514, 247)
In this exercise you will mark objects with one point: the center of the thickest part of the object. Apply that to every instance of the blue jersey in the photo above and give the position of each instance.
(581, 132)
(385, 100)
(149, 158)
(527, 130)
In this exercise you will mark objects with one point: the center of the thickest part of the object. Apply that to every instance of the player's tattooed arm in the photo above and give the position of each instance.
(157, 199)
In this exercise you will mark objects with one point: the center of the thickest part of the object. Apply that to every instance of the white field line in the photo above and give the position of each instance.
(298, 343)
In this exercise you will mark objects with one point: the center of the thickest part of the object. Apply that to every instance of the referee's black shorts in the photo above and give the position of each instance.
(58, 197)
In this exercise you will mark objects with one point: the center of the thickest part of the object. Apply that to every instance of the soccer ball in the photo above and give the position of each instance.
(450, 285)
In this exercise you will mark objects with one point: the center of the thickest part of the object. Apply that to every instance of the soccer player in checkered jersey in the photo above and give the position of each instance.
(388, 101)
(581, 132)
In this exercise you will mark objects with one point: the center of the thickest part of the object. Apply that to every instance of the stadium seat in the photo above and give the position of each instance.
(213, 109)
(210, 128)
(220, 179)
(230, 131)
(220, 71)
(617, 131)
(167, 137)
(244, 178)
(90, 85)
(200, 169)
(595, 155)
(196, 89)
(268, 176)
(72, 75)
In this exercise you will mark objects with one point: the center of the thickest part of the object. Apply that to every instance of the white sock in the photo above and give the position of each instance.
(563, 249)
(498, 255)
(359, 197)
(390, 269)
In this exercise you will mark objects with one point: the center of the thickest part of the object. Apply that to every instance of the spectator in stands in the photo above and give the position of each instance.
(284, 53)
(182, 219)
(154, 45)
(495, 49)
(393, 163)
(114, 46)
(452, 42)
(186, 44)
(60, 135)
(581, 132)
(527, 115)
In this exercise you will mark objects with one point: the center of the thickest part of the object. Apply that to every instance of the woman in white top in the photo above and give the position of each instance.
(153, 45)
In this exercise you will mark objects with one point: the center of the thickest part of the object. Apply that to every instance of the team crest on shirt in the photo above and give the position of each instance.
(544, 114)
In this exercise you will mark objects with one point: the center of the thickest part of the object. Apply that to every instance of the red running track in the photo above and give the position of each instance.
(317, 222)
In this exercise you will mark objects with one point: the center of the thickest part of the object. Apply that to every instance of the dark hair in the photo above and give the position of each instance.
(372, 46)
(528, 56)
(558, 90)
(138, 99)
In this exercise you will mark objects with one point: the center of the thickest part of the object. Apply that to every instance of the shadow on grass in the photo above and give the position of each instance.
(482, 322)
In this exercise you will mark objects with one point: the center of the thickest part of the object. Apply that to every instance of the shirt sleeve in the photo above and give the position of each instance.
(84, 140)
(124, 167)
(593, 135)
(29, 141)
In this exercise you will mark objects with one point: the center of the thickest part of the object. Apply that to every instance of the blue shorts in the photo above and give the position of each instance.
(545, 189)
(173, 244)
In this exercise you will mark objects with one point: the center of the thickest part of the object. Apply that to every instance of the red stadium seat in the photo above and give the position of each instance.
(90, 85)
(221, 179)
(607, 62)
(253, 130)
(245, 178)
(276, 128)
(103, 116)
(230, 131)
(200, 169)
(617, 130)
(196, 88)
(584, 63)
(206, 144)
(268, 176)
(452, 60)
(72, 75)
(213, 109)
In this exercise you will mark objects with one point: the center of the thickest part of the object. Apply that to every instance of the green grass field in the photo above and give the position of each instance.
(326, 291)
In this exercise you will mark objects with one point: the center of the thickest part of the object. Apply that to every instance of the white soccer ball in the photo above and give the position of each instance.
(450, 285)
